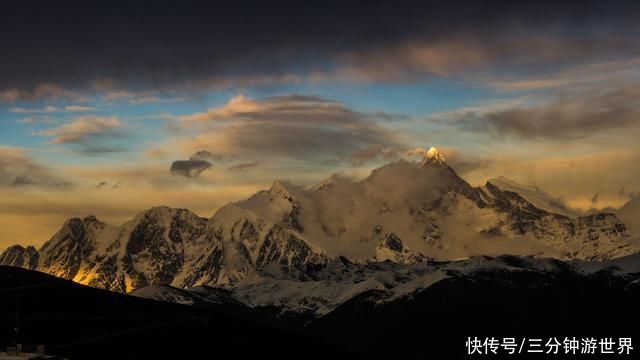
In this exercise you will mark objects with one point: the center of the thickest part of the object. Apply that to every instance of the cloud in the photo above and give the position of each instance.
(289, 127)
(22, 180)
(582, 75)
(155, 100)
(456, 55)
(208, 156)
(18, 168)
(371, 153)
(11, 95)
(568, 116)
(82, 130)
(53, 109)
(47, 109)
(36, 119)
(45, 91)
(197, 163)
(629, 215)
(286, 41)
(236, 106)
(78, 108)
(189, 168)
(204, 160)
(243, 166)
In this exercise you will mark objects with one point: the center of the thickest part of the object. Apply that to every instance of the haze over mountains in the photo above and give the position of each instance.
(311, 237)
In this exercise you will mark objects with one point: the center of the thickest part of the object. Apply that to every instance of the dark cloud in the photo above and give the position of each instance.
(208, 156)
(243, 166)
(197, 163)
(73, 43)
(102, 184)
(573, 116)
(189, 168)
(22, 180)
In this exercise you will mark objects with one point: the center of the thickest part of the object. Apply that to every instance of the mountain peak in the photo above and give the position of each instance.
(433, 157)
(279, 188)
(20, 256)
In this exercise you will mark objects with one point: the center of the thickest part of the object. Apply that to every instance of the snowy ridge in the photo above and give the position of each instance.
(343, 280)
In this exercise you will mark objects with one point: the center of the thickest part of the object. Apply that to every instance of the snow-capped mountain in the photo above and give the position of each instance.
(402, 213)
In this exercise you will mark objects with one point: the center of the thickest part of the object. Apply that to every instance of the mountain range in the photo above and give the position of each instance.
(309, 249)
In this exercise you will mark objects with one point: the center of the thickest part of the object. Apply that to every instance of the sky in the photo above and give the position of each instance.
(112, 108)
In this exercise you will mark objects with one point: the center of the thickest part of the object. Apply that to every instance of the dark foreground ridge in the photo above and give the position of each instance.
(82, 322)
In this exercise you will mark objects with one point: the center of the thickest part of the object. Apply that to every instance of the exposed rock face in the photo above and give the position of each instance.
(392, 249)
(70, 247)
(19, 256)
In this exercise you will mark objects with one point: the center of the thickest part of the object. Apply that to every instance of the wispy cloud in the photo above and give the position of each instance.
(140, 97)
(243, 166)
(155, 100)
(17, 167)
(45, 91)
(53, 109)
(620, 71)
(37, 119)
(574, 115)
(47, 109)
(78, 108)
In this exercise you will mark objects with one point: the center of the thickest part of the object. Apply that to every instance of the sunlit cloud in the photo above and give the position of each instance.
(47, 109)
(83, 128)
